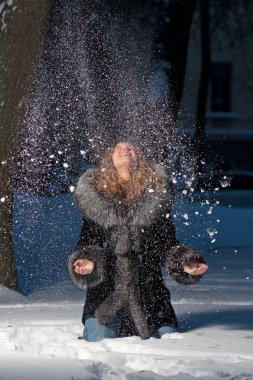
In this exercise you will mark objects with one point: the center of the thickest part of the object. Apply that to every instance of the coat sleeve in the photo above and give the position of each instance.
(175, 260)
(91, 247)
(172, 255)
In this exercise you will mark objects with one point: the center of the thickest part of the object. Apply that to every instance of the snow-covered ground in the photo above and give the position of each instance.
(39, 333)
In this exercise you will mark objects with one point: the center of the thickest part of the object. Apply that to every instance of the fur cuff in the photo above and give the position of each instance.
(178, 256)
(93, 253)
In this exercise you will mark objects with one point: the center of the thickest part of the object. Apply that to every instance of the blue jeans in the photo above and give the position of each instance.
(94, 331)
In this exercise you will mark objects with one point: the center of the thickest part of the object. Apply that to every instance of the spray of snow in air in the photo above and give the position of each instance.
(96, 83)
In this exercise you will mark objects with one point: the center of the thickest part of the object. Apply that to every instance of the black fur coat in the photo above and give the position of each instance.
(129, 244)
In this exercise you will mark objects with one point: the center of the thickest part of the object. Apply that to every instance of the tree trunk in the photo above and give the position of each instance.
(200, 134)
(19, 46)
(175, 37)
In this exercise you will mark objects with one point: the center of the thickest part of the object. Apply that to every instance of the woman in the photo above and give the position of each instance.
(127, 236)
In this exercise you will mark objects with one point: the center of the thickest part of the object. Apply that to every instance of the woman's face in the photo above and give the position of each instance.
(124, 155)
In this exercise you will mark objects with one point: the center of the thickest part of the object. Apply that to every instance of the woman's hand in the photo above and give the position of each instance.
(194, 268)
(83, 266)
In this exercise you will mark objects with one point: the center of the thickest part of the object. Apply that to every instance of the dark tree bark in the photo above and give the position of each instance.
(19, 47)
(174, 38)
(200, 134)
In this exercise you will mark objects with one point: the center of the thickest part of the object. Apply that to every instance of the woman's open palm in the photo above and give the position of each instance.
(195, 269)
(84, 266)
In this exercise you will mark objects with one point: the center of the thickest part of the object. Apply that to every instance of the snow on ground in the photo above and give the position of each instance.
(39, 333)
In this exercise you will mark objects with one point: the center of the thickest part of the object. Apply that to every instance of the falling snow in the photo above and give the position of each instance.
(69, 122)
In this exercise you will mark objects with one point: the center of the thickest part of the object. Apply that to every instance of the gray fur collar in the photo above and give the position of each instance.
(110, 212)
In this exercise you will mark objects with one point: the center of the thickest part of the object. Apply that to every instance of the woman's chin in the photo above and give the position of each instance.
(125, 163)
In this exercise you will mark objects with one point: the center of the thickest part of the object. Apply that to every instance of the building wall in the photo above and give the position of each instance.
(240, 54)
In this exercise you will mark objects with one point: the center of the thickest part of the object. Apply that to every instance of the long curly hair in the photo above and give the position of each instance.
(107, 181)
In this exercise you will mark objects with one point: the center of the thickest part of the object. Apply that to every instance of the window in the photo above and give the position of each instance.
(221, 87)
